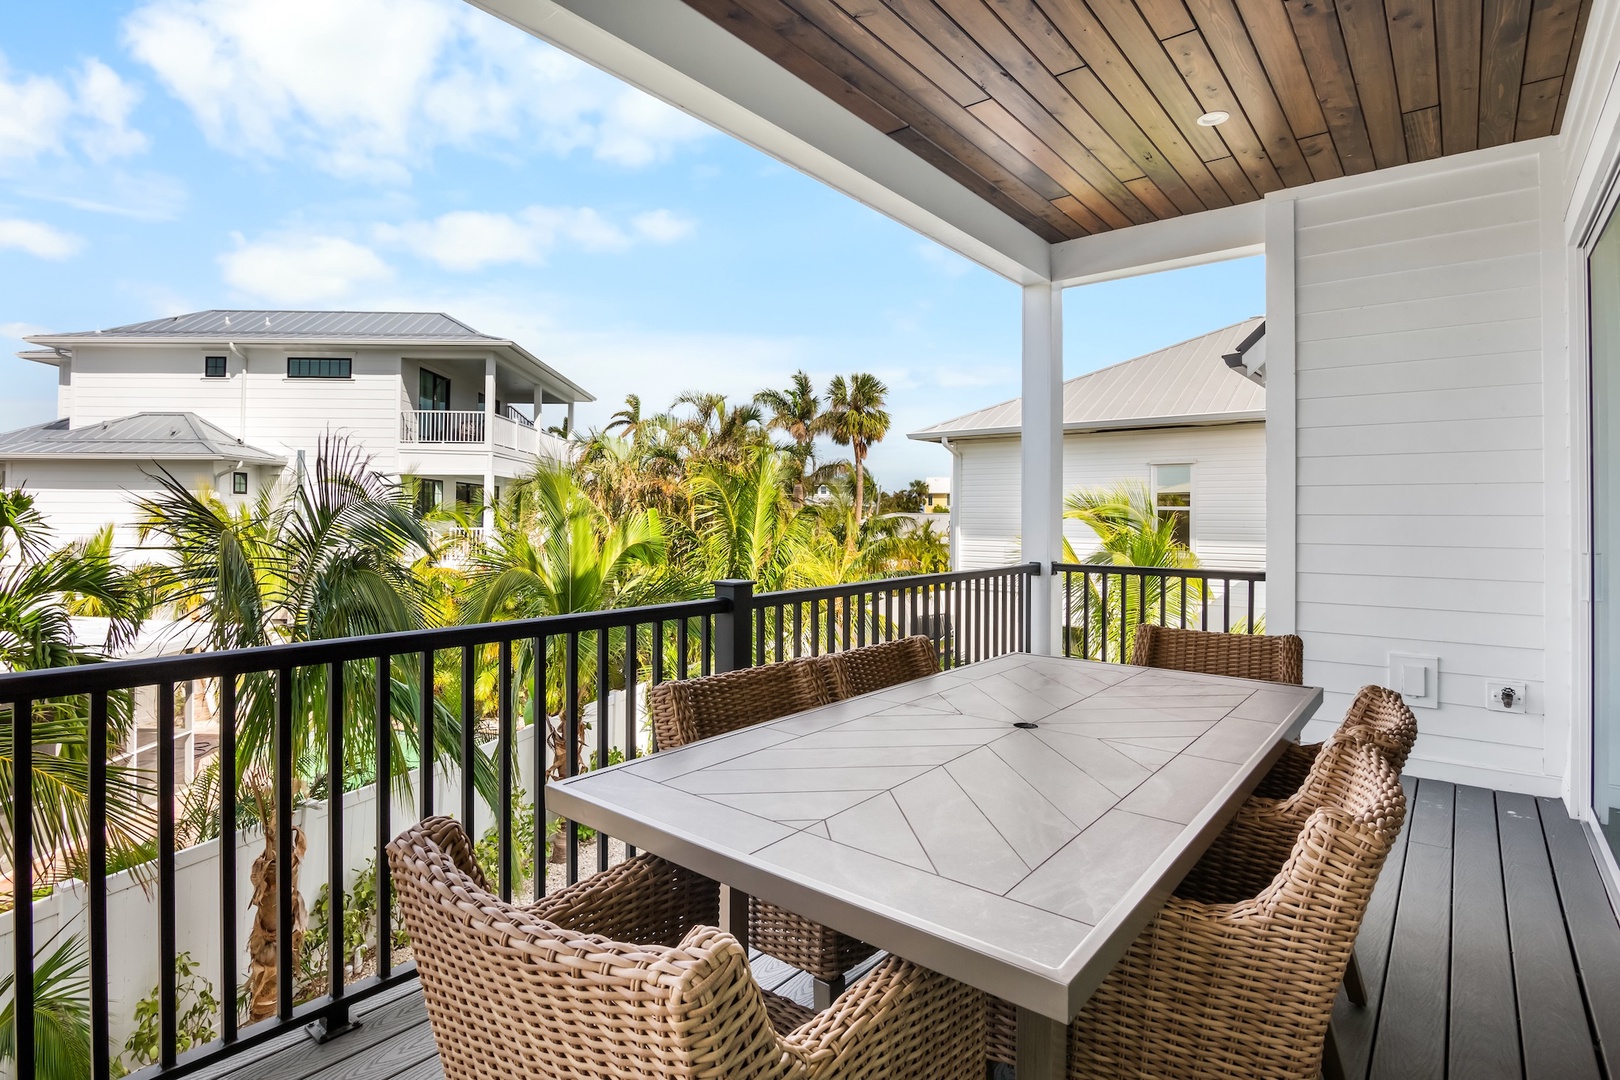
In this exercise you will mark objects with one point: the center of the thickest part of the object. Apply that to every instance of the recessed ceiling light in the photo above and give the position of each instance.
(1210, 119)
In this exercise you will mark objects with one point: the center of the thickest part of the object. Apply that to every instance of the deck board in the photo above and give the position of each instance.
(1484, 1029)
(1490, 935)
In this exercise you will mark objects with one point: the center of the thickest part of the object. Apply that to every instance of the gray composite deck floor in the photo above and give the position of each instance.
(1490, 952)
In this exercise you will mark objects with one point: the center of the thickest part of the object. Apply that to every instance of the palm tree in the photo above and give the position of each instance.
(745, 525)
(330, 558)
(1129, 533)
(61, 1015)
(718, 430)
(41, 587)
(856, 418)
(796, 412)
(555, 552)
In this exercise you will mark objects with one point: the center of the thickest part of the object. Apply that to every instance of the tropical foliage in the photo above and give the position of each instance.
(1129, 532)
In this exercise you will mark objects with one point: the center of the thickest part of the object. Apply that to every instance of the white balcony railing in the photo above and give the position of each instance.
(469, 428)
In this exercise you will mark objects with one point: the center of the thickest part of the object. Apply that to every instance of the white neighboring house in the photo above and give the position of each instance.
(1188, 421)
(232, 401)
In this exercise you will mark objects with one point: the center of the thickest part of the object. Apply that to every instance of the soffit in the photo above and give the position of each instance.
(1080, 116)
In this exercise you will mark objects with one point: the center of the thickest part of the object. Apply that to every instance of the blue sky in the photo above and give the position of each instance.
(175, 155)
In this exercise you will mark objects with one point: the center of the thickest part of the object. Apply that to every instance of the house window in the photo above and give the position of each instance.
(1172, 498)
(429, 495)
(470, 496)
(319, 367)
(480, 401)
(214, 367)
(433, 392)
(239, 483)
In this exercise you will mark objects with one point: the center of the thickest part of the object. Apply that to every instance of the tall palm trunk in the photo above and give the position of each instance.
(263, 956)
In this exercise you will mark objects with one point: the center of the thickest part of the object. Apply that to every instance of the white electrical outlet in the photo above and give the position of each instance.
(1416, 679)
(1503, 695)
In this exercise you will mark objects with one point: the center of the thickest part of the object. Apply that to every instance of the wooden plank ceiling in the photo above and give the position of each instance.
(1080, 116)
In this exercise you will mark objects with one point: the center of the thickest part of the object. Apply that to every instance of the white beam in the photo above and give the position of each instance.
(1205, 237)
(1041, 448)
(676, 54)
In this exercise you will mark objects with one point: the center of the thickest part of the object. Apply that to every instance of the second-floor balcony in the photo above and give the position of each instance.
(508, 431)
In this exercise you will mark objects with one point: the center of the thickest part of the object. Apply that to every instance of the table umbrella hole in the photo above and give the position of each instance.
(1026, 724)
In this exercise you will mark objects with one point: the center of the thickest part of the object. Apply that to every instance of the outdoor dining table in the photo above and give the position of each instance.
(1013, 824)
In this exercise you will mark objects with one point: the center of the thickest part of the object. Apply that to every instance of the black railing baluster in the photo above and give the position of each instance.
(22, 880)
(798, 630)
(336, 956)
(168, 902)
(469, 743)
(227, 860)
(507, 755)
(1102, 612)
(542, 737)
(815, 628)
(759, 617)
(632, 646)
(100, 977)
(1226, 605)
(706, 644)
(1183, 604)
(428, 750)
(284, 843)
(681, 647)
(603, 742)
(861, 623)
(571, 740)
(1251, 607)
(385, 812)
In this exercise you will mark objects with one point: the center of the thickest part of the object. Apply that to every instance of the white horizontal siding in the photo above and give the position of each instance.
(1420, 492)
(1229, 489)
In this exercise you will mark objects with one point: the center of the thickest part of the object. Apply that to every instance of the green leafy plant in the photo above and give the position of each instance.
(195, 1024)
(61, 1014)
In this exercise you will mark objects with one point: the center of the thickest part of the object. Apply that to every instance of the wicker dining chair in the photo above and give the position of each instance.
(1274, 658)
(693, 709)
(1245, 988)
(624, 974)
(878, 667)
(1378, 715)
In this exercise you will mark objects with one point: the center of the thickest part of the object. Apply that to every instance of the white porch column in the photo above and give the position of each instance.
(489, 398)
(489, 493)
(568, 426)
(1041, 524)
(539, 403)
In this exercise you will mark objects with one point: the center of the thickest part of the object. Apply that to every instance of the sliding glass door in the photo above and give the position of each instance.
(1605, 308)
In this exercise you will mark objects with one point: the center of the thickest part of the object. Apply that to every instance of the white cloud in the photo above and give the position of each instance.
(38, 238)
(285, 77)
(301, 268)
(663, 227)
(40, 116)
(474, 239)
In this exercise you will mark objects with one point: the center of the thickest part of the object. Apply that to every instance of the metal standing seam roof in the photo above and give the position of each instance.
(1187, 383)
(316, 327)
(326, 325)
(167, 436)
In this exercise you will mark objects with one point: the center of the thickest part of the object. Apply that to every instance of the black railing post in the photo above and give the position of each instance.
(734, 627)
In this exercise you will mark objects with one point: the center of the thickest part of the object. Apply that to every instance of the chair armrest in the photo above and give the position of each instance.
(919, 1024)
(644, 899)
(1290, 771)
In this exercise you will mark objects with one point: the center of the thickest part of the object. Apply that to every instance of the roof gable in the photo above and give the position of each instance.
(151, 435)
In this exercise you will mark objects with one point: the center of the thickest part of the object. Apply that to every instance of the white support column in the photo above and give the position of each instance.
(568, 427)
(539, 404)
(489, 493)
(1041, 524)
(489, 398)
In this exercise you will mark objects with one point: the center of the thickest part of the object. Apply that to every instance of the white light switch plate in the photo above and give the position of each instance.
(1416, 678)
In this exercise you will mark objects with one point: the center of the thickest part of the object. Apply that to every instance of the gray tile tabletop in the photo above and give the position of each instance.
(1013, 823)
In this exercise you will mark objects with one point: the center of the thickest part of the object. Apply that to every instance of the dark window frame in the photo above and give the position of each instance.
(215, 367)
(429, 383)
(239, 483)
(320, 367)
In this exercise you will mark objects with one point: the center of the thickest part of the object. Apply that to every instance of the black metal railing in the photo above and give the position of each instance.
(1104, 604)
(408, 716)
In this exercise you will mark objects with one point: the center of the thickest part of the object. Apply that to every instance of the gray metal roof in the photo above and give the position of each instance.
(1188, 383)
(167, 436)
(281, 325)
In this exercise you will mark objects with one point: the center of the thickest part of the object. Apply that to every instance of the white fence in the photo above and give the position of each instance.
(132, 903)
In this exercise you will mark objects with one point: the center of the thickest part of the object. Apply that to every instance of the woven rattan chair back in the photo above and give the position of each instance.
(1247, 989)
(624, 975)
(1380, 716)
(1279, 658)
(692, 709)
(878, 667)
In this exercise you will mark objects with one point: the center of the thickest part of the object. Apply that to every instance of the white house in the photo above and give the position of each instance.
(231, 401)
(1184, 420)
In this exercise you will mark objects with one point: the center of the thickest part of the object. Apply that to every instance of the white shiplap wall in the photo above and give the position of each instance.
(1419, 456)
(1229, 489)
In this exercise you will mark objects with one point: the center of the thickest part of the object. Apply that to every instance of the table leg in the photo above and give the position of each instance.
(1043, 1047)
(734, 914)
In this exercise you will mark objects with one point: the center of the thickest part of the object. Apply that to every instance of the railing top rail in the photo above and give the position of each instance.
(904, 581)
(110, 675)
(1208, 572)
